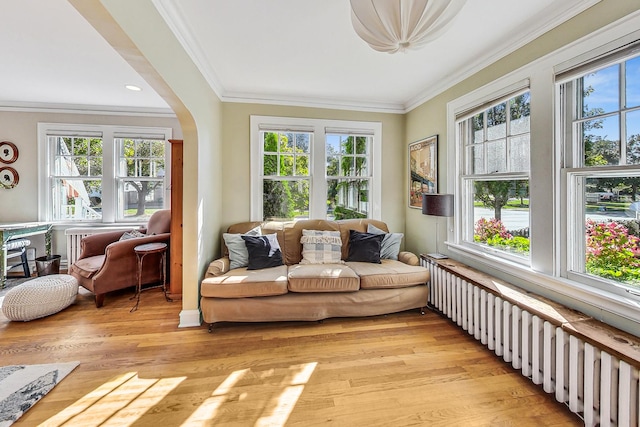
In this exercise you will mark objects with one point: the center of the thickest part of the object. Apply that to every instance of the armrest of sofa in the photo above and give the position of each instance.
(218, 267)
(124, 248)
(96, 244)
(408, 258)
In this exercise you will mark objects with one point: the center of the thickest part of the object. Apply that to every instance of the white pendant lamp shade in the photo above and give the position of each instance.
(396, 25)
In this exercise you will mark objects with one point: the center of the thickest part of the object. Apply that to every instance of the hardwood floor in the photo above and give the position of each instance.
(139, 369)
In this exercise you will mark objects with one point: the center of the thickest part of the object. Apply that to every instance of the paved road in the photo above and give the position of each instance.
(516, 219)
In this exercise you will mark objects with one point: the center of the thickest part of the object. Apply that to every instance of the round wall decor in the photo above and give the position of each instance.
(8, 152)
(8, 177)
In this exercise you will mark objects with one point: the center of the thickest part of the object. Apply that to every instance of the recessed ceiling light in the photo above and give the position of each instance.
(133, 88)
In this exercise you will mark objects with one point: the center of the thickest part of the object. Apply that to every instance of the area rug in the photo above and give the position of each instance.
(21, 386)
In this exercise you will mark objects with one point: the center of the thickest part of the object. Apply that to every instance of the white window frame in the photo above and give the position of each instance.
(318, 187)
(109, 134)
(549, 206)
(465, 197)
(575, 172)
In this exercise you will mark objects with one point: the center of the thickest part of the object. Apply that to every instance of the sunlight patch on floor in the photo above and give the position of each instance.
(122, 400)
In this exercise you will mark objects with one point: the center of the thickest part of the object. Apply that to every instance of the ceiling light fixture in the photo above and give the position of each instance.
(397, 25)
(133, 88)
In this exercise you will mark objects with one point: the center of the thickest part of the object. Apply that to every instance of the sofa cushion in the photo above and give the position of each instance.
(364, 247)
(238, 254)
(87, 267)
(321, 247)
(389, 274)
(241, 283)
(322, 278)
(390, 244)
(264, 251)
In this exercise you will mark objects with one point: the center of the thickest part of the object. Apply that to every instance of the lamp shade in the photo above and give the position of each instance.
(437, 204)
(396, 25)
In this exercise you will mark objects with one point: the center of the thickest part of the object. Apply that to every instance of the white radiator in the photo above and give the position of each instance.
(75, 235)
(602, 389)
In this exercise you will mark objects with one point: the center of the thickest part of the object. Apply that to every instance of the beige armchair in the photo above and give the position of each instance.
(107, 263)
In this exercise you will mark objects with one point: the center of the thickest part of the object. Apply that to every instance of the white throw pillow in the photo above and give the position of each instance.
(390, 244)
(238, 254)
(321, 247)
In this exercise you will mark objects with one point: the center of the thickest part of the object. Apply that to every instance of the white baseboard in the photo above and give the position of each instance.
(189, 319)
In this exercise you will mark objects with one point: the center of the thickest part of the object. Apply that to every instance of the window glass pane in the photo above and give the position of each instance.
(346, 166)
(501, 215)
(347, 198)
(270, 165)
(633, 138)
(95, 166)
(346, 143)
(76, 199)
(285, 200)
(612, 220)
(286, 165)
(519, 153)
(332, 165)
(362, 168)
(601, 92)
(332, 144)
(302, 165)
(497, 122)
(142, 198)
(520, 110)
(303, 142)
(601, 141)
(633, 82)
(478, 128)
(286, 142)
(270, 142)
(496, 156)
(362, 144)
(477, 159)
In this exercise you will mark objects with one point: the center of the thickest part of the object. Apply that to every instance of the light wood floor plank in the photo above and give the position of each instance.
(140, 369)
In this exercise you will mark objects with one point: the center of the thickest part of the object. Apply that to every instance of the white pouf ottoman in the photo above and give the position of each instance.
(40, 297)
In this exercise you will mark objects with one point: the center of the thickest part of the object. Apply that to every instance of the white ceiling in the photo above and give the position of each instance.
(298, 52)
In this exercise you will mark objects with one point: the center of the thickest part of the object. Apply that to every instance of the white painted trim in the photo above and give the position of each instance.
(175, 21)
(103, 110)
(190, 319)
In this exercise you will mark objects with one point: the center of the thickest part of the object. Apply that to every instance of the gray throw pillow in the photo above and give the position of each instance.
(238, 254)
(390, 244)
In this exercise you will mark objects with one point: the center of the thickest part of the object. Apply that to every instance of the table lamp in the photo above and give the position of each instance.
(437, 205)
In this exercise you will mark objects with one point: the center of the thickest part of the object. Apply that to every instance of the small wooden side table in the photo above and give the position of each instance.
(142, 251)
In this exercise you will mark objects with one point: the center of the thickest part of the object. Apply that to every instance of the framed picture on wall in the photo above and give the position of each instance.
(423, 169)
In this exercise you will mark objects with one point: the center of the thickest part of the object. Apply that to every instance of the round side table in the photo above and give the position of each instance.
(141, 252)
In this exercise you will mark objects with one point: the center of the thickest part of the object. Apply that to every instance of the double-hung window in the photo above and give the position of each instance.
(494, 180)
(311, 168)
(102, 173)
(600, 117)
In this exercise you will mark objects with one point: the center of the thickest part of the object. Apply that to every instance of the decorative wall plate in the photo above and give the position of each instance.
(8, 152)
(8, 177)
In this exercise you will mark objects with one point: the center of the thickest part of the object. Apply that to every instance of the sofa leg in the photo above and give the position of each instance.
(210, 328)
(99, 300)
(422, 310)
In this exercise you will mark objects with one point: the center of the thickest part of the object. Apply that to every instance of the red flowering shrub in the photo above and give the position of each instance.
(489, 228)
(612, 252)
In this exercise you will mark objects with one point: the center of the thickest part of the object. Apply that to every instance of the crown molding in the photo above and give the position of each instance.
(37, 107)
(177, 24)
(567, 11)
(314, 102)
